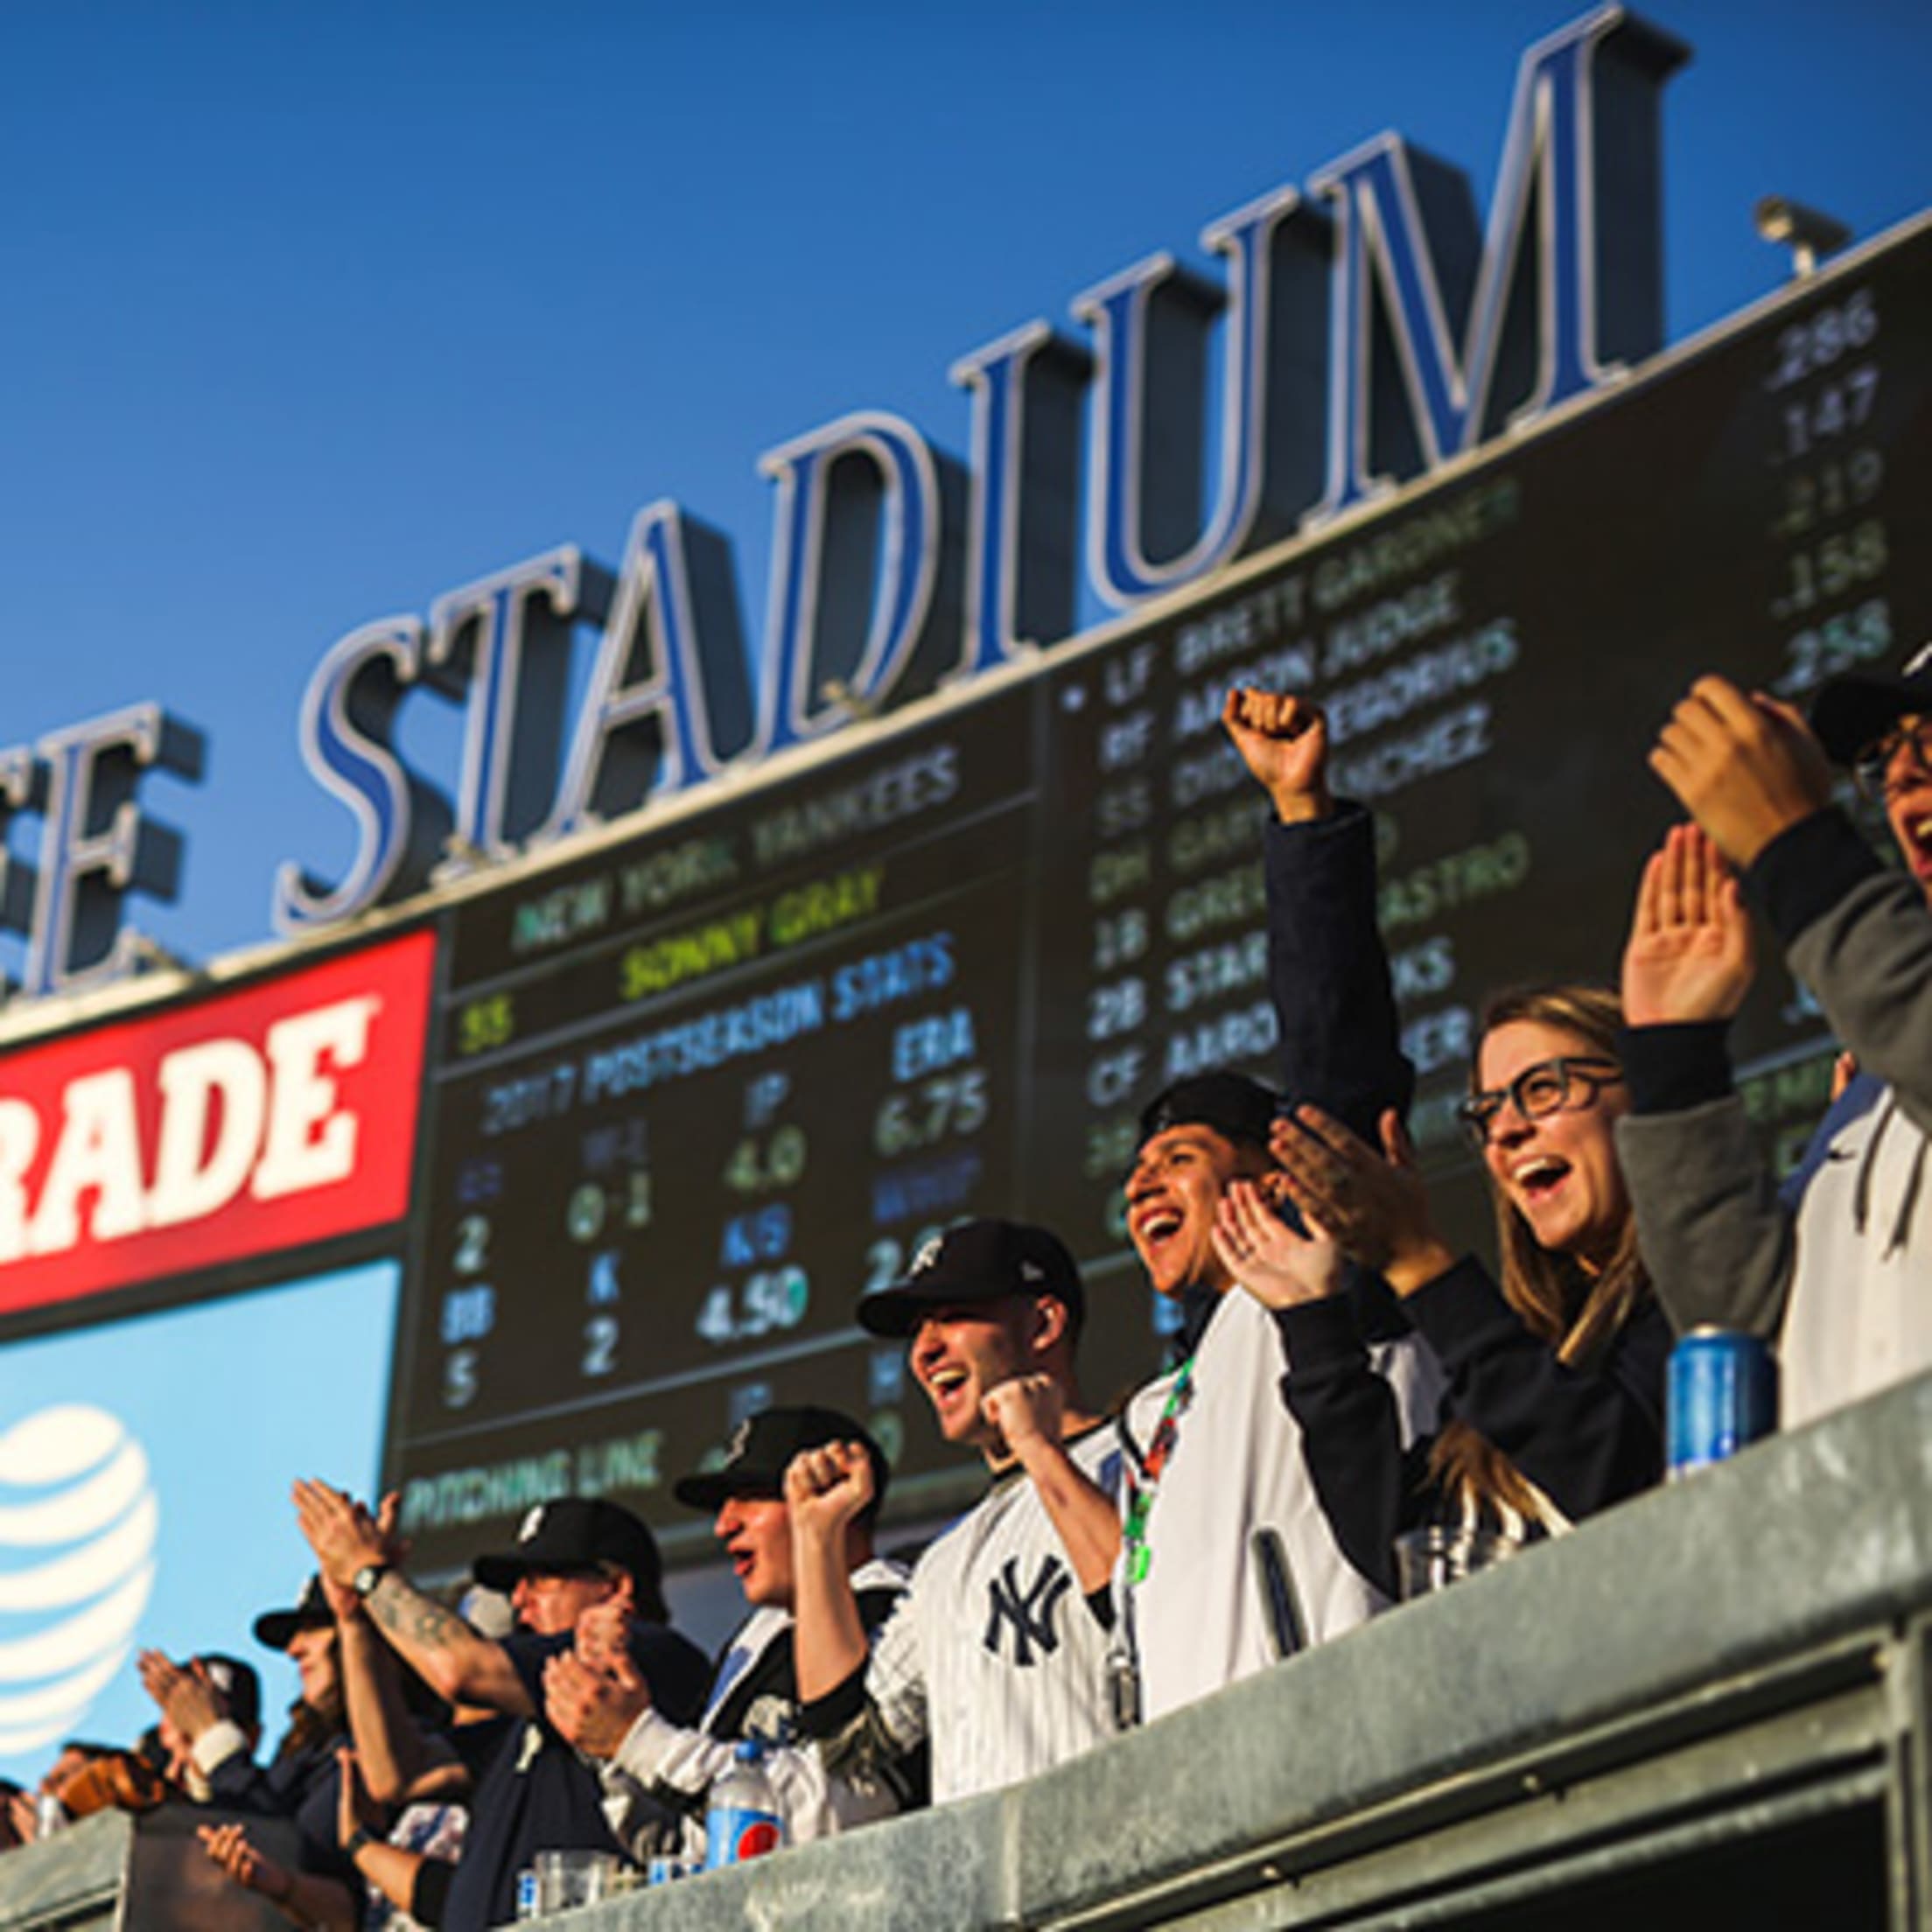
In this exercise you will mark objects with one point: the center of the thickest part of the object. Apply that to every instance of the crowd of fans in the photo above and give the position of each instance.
(1343, 1378)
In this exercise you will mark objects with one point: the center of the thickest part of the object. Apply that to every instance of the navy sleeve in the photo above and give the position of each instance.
(1370, 1488)
(1341, 1043)
(1585, 1436)
(1351, 1441)
(239, 1784)
(430, 1896)
(527, 1653)
(827, 1716)
(677, 1671)
(1806, 870)
(1669, 1067)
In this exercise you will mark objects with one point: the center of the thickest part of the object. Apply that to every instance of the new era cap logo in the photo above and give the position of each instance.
(1031, 1271)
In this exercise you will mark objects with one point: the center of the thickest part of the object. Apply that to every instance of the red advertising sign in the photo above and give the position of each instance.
(235, 1126)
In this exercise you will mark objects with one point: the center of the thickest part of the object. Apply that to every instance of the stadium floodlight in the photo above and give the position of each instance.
(1808, 234)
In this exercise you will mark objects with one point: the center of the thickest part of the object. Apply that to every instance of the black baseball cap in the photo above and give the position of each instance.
(1858, 708)
(578, 1533)
(761, 1449)
(1233, 1106)
(977, 1261)
(277, 1628)
(241, 1689)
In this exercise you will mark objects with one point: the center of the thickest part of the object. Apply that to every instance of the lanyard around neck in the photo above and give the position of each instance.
(1143, 1489)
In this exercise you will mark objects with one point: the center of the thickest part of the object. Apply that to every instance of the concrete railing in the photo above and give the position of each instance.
(1713, 1695)
(115, 1873)
(1709, 1707)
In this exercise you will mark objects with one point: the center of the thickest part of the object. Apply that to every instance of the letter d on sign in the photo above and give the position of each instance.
(860, 535)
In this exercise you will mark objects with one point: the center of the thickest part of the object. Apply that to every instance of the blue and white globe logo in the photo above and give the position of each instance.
(78, 1521)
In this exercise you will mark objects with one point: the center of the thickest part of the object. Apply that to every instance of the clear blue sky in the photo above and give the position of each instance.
(313, 310)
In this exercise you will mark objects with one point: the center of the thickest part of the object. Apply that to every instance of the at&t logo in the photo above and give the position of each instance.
(78, 1521)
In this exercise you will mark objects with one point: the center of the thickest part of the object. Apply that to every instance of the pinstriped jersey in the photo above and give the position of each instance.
(994, 1655)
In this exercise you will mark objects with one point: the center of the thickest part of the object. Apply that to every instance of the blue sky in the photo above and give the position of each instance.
(313, 311)
(227, 1549)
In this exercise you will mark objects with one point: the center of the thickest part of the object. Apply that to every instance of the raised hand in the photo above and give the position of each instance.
(1746, 768)
(343, 1535)
(826, 1487)
(1284, 741)
(187, 1699)
(1373, 1204)
(1027, 1410)
(1690, 955)
(1274, 1263)
(604, 1630)
(594, 1708)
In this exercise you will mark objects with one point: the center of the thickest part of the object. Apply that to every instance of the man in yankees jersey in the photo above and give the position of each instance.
(1229, 1561)
(657, 1775)
(999, 1654)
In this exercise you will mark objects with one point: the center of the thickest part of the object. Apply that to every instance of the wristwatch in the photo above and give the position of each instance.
(357, 1840)
(366, 1579)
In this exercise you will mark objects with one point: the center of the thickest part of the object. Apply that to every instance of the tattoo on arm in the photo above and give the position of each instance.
(405, 1611)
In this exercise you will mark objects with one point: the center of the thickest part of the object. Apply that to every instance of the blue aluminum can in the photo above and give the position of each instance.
(1720, 1394)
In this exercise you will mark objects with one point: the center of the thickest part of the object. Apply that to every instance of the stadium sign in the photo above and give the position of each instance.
(895, 569)
(257, 1120)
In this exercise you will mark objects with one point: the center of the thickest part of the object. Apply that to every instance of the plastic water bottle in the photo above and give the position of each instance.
(527, 1905)
(742, 1821)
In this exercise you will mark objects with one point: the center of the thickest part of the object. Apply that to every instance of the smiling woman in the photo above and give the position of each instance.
(1555, 1373)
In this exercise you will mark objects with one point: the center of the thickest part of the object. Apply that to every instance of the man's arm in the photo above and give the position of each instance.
(1030, 1413)
(435, 1643)
(825, 1489)
(1860, 937)
(1341, 1042)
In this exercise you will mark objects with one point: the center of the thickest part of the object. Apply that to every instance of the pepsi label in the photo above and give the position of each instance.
(732, 1833)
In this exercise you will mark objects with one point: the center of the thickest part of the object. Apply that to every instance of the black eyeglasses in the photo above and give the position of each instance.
(1546, 1088)
(1872, 768)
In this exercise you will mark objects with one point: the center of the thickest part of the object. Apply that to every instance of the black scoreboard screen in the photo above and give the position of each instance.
(694, 1095)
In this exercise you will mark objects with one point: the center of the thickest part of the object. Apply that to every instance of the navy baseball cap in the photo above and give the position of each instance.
(240, 1687)
(761, 1450)
(1858, 708)
(977, 1261)
(277, 1628)
(577, 1533)
(1236, 1108)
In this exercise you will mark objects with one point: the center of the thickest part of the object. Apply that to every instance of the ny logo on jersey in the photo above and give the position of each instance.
(1029, 1611)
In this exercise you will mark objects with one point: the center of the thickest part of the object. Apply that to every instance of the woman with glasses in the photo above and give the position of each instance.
(1556, 1373)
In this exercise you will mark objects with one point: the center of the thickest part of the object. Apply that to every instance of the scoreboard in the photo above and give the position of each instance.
(693, 1093)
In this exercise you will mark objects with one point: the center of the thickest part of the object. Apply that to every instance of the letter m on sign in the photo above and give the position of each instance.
(1564, 289)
